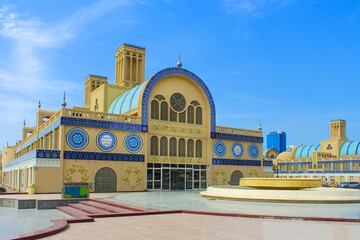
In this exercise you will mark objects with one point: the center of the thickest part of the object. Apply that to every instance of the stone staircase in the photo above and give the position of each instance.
(88, 210)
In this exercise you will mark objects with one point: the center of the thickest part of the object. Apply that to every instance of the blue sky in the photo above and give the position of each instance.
(293, 64)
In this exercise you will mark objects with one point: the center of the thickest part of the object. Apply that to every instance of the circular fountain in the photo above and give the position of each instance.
(283, 190)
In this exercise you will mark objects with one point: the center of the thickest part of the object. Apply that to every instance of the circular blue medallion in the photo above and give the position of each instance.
(237, 150)
(253, 151)
(77, 138)
(106, 141)
(219, 149)
(133, 142)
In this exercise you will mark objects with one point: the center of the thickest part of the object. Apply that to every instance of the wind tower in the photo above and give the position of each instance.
(130, 65)
(338, 130)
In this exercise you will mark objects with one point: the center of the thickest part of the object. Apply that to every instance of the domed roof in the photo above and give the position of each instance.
(306, 151)
(350, 148)
(126, 102)
(266, 151)
(284, 156)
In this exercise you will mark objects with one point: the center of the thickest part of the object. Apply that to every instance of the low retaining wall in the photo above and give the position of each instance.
(38, 204)
(18, 203)
(51, 204)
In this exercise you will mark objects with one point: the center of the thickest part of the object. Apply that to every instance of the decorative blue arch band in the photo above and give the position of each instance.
(174, 71)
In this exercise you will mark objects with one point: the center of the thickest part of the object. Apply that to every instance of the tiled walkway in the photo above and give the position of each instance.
(146, 215)
(190, 226)
(191, 200)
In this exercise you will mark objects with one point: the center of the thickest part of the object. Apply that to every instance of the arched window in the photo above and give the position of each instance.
(198, 149)
(173, 147)
(199, 115)
(235, 178)
(163, 146)
(154, 143)
(159, 97)
(164, 111)
(190, 148)
(173, 115)
(190, 116)
(154, 109)
(182, 147)
(182, 116)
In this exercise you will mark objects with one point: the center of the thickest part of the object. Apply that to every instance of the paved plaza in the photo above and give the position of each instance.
(186, 225)
(191, 226)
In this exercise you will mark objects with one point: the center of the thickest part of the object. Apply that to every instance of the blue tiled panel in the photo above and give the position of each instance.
(52, 154)
(316, 172)
(295, 163)
(103, 124)
(171, 71)
(104, 156)
(218, 161)
(267, 163)
(227, 136)
(322, 162)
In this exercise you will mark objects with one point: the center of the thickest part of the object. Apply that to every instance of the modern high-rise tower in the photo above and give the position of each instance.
(277, 140)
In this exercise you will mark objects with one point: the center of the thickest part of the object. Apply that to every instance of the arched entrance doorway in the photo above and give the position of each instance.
(105, 180)
(235, 177)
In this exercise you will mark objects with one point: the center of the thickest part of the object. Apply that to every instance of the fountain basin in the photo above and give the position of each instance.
(309, 195)
(280, 183)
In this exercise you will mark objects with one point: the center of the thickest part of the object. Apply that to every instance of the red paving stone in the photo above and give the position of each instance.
(87, 211)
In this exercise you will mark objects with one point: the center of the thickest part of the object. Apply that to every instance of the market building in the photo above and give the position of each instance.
(335, 160)
(134, 135)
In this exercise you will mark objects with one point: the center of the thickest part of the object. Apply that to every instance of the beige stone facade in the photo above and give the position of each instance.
(135, 135)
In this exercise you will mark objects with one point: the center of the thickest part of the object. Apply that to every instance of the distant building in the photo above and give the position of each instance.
(335, 160)
(276, 140)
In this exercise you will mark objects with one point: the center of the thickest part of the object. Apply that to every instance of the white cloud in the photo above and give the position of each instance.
(24, 74)
(254, 7)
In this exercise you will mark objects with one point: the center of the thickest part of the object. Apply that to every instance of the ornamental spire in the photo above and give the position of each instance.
(179, 64)
(64, 102)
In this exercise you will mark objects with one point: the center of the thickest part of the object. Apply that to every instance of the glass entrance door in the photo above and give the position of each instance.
(177, 179)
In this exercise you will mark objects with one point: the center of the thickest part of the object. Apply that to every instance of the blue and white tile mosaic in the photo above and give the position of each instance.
(218, 161)
(133, 142)
(237, 150)
(235, 137)
(77, 138)
(106, 140)
(267, 163)
(69, 121)
(104, 156)
(170, 71)
(219, 148)
(50, 154)
(253, 151)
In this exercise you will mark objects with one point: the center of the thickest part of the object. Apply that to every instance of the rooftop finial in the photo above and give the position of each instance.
(260, 128)
(301, 143)
(179, 64)
(24, 122)
(64, 102)
(39, 104)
